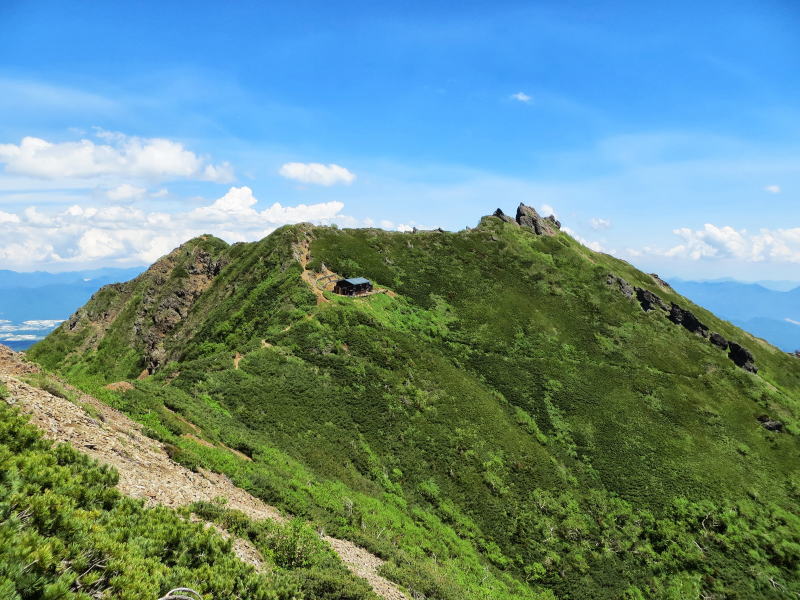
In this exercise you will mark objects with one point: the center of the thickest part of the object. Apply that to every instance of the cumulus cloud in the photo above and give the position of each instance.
(773, 189)
(34, 325)
(118, 156)
(126, 235)
(20, 338)
(125, 191)
(317, 173)
(598, 223)
(521, 97)
(549, 210)
(712, 241)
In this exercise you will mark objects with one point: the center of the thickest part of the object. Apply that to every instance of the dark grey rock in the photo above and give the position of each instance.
(770, 424)
(556, 223)
(503, 216)
(649, 300)
(528, 217)
(623, 286)
(742, 357)
(719, 341)
(686, 318)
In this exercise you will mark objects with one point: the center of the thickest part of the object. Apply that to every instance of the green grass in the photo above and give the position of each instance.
(506, 426)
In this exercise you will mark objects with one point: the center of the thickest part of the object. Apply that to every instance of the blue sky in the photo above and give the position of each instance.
(669, 136)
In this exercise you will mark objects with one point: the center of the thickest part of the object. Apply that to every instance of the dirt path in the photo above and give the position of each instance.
(302, 252)
(146, 471)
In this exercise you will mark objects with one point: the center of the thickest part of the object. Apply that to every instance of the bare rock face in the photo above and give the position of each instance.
(770, 424)
(503, 216)
(623, 286)
(681, 316)
(719, 341)
(528, 217)
(650, 301)
(742, 357)
(164, 307)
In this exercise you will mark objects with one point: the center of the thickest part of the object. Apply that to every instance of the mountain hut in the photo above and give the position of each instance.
(354, 286)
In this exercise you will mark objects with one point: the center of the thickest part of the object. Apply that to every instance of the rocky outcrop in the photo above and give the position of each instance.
(623, 286)
(686, 318)
(719, 341)
(650, 301)
(528, 217)
(770, 424)
(168, 301)
(503, 216)
(742, 357)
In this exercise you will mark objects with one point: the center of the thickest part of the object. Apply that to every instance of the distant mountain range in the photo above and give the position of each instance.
(31, 304)
(765, 309)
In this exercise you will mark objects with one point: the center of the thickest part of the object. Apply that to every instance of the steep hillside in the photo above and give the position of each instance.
(511, 416)
(67, 532)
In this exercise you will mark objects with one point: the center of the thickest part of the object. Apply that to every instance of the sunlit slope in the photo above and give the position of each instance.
(505, 398)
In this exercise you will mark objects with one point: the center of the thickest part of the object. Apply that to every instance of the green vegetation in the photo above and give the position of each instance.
(506, 425)
(67, 534)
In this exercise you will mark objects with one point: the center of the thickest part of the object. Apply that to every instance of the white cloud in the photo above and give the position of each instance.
(120, 156)
(42, 323)
(548, 210)
(8, 218)
(125, 191)
(777, 245)
(317, 173)
(20, 338)
(598, 223)
(521, 97)
(792, 321)
(81, 236)
(773, 189)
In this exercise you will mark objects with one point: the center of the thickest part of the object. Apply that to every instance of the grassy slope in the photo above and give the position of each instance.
(507, 426)
(66, 533)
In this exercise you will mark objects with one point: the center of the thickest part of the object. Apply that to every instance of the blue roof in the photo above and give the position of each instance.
(357, 280)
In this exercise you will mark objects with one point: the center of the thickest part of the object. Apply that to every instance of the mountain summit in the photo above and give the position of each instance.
(506, 414)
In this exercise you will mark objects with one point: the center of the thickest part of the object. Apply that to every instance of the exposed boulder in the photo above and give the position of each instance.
(556, 223)
(503, 216)
(742, 357)
(770, 424)
(686, 318)
(528, 217)
(649, 300)
(719, 341)
(624, 287)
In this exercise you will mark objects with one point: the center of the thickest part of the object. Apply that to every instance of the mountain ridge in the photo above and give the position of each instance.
(504, 389)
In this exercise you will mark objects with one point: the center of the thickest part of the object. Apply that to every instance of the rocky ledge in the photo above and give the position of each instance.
(650, 301)
(528, 218)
